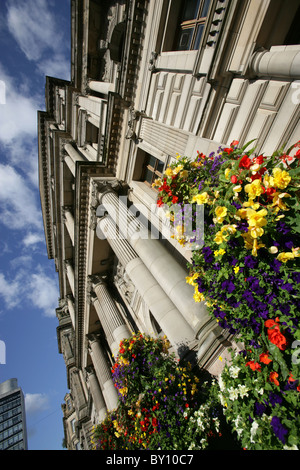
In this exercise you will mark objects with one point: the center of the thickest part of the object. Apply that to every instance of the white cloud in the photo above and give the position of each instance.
(18, 203)
(43, 293)
(33, 27)
(32, 239)
(30, 288)
(9, 291)
(36, 403)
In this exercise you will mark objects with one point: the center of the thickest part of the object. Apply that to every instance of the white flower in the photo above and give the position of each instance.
(233, 393)
(234, 371)
(221, 384)
(243, 390)
(253, 431)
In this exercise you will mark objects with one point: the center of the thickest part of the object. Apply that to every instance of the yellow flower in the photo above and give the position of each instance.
(227, 172)
(256, 219)
(281, 178)
(237, 188)
(191, 279)
(198, 296)
(221, 212)
(184, 174)
(200, 198)
(169, 172)
(285, 257)
(254, 189)
(236, 269)
(268, 181)
(177, 169)
(277, 201)
(220, 238)
(220, 252)
(157, 182)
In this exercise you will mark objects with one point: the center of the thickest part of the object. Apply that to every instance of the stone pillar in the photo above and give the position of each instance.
(96, 393)
(166, 314)
(69, 222)
(71, 157)
(169, 274)
(101, 87)
(109, 315)
(70, 274)
(71, 308)
(278, 62)
(103, 373)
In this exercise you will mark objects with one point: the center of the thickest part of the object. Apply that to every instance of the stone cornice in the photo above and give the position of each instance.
(85, 171)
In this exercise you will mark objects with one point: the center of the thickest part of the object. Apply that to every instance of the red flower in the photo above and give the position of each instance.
(254, 365)
(234, 142)
(245, 162)
(174, 200)
(233, 179)
(264, 358)
(274, 334)
(297, 155)
(160, 202)
(228, 150)
(122, 350)
(273, 378)
(154, 422)
(259, 159)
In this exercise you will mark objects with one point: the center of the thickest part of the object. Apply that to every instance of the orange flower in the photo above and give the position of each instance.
(273, 378)
(254, 365)
(264, 358)
(274, 334)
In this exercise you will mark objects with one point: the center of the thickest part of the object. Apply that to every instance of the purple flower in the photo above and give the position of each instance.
(259, 409)
(275, 398)
(279, 430)
(250, 262)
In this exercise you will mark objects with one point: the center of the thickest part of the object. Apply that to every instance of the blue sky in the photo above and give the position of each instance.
(34, 42)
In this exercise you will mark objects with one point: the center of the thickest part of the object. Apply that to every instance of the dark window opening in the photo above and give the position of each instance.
(192, 20)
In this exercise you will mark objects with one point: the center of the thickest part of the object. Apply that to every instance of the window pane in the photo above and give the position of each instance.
(185, 39)
(190, 10)
(160, 166)
(148, 176)
(205, 9)
(151, 161)
(199, 33)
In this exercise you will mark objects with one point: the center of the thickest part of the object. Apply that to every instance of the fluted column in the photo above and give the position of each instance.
(101, 87)
(70, 274)
(103, 374)
(71, 157)
(71, 308)
(163, 266)
(97, 395)
(109, 315)
(166, 314)
(279, 61)
(69, 222)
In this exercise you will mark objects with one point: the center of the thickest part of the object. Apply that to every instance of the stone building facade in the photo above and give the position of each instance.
(149, 80)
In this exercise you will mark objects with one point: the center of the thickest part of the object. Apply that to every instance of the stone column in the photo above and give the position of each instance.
(101, 87)
(69, 221)
(71, 308)
(96, 393)
(109, 315)
(71, 157)
(103, 373)
(169, 274)
(166, 314)
(70, 274)
(278, 62)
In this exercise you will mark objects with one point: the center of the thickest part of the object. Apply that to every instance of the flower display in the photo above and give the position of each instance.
(163, 404)
(247, 272)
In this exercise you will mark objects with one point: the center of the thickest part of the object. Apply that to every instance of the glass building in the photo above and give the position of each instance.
(13, 435)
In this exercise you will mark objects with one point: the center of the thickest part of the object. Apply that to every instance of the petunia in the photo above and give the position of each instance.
(279, 430)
